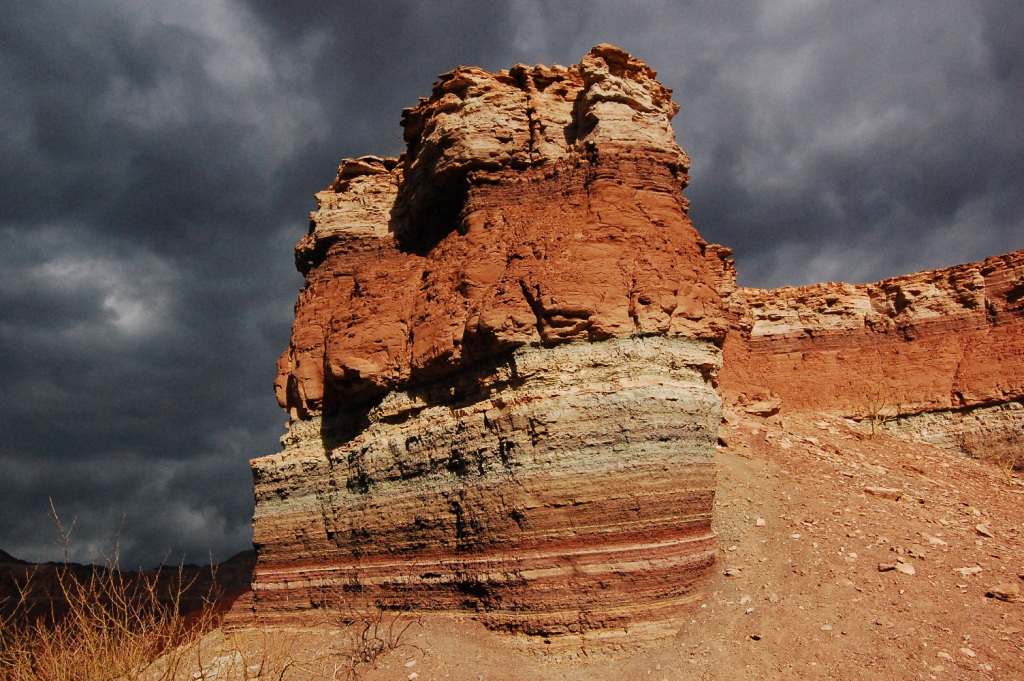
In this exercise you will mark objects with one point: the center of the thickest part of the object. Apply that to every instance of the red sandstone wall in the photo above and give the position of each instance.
(934, 340)
(534, 206)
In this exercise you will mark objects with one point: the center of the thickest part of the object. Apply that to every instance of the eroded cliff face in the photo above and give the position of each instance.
(536, 206)
(502, 375)
(500, 378)
(556, 491)
(938, 355)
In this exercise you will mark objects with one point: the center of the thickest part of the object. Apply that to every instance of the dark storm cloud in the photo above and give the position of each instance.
(863, 139)
(157, 161)
(146, 282)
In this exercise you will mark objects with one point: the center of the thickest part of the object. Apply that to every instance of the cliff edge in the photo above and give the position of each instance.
(936, 355)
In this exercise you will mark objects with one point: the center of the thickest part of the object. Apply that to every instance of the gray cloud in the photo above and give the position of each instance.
(851, 127)
(157, 161)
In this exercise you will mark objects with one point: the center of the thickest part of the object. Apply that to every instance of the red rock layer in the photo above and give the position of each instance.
(535, 206)
(936, 340)
(500, 374)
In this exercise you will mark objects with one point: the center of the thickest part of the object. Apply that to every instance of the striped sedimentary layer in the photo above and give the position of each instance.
(500, 376)
(554, 490)
(993, 432)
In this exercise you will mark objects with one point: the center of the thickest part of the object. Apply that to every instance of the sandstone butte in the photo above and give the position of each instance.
(505, 378)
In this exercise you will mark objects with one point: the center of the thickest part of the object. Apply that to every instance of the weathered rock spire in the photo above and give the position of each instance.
(501, 368)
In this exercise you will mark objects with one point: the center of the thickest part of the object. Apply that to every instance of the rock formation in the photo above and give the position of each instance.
(937, 355)
(502, 375)
(501, 372)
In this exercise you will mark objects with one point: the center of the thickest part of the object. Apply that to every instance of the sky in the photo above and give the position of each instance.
(158, 162)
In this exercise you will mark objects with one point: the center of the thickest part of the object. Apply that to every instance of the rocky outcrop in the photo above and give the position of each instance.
(937, 354)
(502, 375)
(500, 378)
(535, 206)
(556, 490)
(994, 433)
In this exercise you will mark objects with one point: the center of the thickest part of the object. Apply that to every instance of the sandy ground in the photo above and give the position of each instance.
(818, 576)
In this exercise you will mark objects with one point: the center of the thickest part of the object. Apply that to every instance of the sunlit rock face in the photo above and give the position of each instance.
(548, 491)
(501, 374)
(938, 355)
(501, 381)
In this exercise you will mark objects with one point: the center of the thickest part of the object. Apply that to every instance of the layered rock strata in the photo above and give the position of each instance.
(944, 344)
(556, 490)
(500, 378)
(995, 432)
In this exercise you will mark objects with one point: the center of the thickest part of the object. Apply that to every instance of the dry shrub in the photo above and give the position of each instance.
(1001, 445)
(99, 624)
(342, 647)
(105, 625)
(116, 628)
(879, 406)
(91, 623)
(373, 633)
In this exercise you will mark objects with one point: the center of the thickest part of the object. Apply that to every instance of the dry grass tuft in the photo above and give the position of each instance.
(79, 623)
(94, 623)
(1002, 446)
(372, 634)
